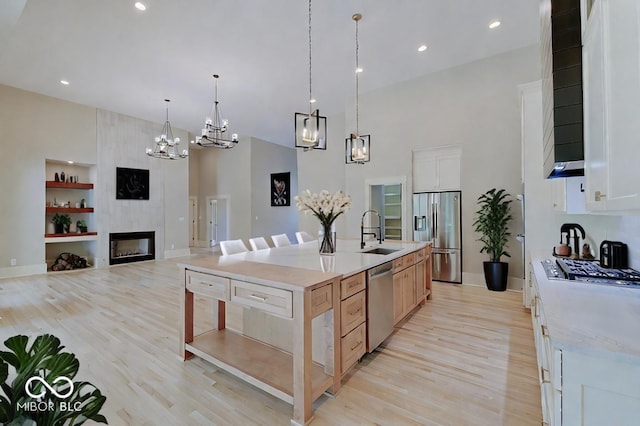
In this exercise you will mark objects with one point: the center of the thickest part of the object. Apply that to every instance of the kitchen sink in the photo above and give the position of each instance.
(380, 250)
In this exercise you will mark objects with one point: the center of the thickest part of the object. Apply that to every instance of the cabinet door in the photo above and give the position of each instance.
(622, 62)
(420, 280)
(398, 279)
(449, 172)
(599, 390)
(612, 89)
(594, 110)
(408, 290)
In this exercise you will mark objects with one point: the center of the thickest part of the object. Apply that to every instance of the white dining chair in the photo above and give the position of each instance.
(232, 246)
(258, 243)
(280, 240)
(303, 237)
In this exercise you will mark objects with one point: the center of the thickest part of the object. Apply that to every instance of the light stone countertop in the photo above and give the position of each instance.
(299, 266)
(590, 318)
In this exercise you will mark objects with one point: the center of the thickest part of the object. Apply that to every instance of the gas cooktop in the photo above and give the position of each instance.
(590, 272)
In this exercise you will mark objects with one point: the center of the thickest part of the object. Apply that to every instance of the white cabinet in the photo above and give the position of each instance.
(568, 195)
(599, 391)
(611, 60)
(436, 169)
(549, 360)
(579, 384)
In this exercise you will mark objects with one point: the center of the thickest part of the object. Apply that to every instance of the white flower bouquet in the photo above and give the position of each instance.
(326, 207)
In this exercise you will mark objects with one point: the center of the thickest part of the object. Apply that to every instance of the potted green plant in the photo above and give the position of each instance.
(61, 222)
(40, 389)
(81, 225)
(492, 221)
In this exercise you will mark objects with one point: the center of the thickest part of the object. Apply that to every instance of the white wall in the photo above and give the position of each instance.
(268, 158)
(242, 175)
(475, 106)
(324, 169)
(34, 128)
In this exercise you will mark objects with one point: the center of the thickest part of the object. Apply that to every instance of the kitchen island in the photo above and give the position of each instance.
(588, 349)
(316, 300)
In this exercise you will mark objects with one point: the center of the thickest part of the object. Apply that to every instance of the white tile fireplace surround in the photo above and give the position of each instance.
(126, 247)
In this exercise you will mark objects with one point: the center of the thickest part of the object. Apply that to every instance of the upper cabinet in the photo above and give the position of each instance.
(436, 169)
(611, 56)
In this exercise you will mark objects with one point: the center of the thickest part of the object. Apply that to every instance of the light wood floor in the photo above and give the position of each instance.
(466, 358)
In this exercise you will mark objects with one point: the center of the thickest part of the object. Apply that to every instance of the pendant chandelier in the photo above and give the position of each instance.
(216, 128)
(358, 146)
(311, 127)
(166, 146)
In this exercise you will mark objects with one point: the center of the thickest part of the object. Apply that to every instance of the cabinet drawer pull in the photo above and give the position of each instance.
(545, 330)
(206, 283)
(356, 345)
(262, 298)
(542, 376)
(355, 312)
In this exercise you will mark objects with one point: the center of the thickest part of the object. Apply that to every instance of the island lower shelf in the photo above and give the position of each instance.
(262, 365)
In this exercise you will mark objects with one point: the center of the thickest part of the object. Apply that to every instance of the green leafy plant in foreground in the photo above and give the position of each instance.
(44, 358)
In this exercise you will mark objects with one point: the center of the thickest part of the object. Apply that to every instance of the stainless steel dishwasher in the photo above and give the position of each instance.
(379, 304)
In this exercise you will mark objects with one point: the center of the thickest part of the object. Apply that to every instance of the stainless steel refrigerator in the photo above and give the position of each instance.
(437, 218)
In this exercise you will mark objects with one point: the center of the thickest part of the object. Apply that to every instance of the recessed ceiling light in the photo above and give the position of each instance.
(140, 6)
(422, 48)
(65, 82)
(494, 24)
(359, 70)
(70, 161)
(312, 101)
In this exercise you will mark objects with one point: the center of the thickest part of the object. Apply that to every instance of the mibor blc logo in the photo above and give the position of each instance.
(49, 405)
(27, 387)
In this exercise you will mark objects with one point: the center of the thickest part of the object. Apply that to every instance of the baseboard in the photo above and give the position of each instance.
(201, 244)
(21, 271)
(474, 279)
(177, 253)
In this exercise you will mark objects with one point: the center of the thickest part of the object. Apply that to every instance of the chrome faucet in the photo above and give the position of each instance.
(362, 228)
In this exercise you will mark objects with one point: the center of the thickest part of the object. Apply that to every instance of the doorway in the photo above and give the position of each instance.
(388, 197)
(217, 220)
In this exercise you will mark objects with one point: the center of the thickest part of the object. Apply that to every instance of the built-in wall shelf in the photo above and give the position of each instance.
(70, 238)
(68, 185)
(69, 210)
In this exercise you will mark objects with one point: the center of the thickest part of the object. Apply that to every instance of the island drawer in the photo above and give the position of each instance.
(403, 262)
(208, 285)
(351, 285)
(352, 312)
(353, 346)
(421, 255)
(321, 300)
(268, 299)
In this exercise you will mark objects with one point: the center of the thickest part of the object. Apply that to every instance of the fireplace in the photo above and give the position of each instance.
(126, 247)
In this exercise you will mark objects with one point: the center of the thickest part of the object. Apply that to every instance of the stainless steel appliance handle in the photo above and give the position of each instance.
(436, 221)
(381, 274)
(433, 221)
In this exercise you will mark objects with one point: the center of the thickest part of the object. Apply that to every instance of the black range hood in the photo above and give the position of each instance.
(561, 47)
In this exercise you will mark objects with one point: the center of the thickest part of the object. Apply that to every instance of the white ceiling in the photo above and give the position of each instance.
(124, 60)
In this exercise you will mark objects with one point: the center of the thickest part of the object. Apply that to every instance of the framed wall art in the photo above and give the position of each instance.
(280, 189)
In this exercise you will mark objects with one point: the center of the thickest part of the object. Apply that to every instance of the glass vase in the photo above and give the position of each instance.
(327, 239)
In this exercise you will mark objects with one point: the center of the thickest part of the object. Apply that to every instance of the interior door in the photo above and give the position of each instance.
(217, 220)
(193, 221)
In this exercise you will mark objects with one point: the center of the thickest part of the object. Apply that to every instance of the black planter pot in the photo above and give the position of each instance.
(59, 228)
(496, 275)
